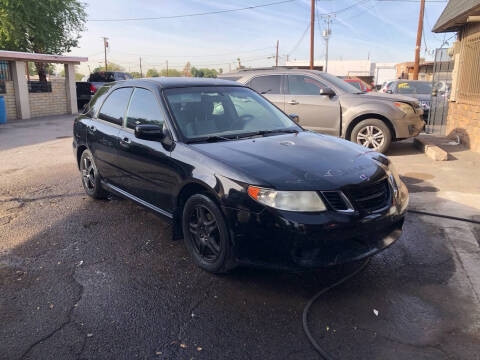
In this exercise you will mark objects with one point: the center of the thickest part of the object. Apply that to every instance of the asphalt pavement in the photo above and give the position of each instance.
(86, 279)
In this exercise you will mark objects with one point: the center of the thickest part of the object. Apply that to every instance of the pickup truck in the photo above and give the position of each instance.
(86, 89)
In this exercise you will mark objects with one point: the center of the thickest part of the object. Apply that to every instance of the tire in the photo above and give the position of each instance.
(206, 234)
(368, 133)
(90, 176)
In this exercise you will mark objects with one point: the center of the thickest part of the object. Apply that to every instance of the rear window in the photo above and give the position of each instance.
(231, 78)
(266, 84)
(102, 76)
(113, 109)
(414, 87)
(97, 100)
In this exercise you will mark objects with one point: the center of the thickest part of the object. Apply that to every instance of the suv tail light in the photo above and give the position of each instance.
(93, 89)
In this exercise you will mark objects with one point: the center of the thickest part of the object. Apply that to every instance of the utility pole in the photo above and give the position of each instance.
(167, 68)
(276, 56)
(419, 40)
(105, 45)
(312, 33)
(141, 72)
(326, 35)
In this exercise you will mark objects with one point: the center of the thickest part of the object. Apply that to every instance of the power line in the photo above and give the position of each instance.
(198, 56)
(300, 40)
(345, 8)
(196, 14)
(414, 1)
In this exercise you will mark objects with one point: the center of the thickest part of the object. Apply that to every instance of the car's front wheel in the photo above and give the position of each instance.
(373, 134)
(206, 234)
(90, 176)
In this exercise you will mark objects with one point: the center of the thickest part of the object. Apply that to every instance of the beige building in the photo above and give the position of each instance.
(405, 70)
(26, 98)
(463, 117)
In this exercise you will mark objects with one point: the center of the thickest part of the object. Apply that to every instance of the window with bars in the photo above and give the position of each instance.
(4, 75)
(469, 71)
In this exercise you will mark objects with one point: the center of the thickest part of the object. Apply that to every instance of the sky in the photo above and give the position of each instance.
(384, 31)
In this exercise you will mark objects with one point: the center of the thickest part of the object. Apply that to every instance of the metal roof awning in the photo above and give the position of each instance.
(34, 57)
(456, 14)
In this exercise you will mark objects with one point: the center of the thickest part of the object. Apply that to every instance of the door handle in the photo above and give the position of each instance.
(125, 141)
(293, 102)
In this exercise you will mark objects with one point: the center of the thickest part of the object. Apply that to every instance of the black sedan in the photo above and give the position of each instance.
(241, 181)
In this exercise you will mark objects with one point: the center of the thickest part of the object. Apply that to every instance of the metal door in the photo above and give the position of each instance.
(441, 88)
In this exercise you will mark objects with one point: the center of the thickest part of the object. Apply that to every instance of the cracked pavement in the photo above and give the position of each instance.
(85, 279)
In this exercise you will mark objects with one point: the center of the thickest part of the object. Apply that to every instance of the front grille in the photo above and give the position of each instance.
(371, 197)
(335, 200)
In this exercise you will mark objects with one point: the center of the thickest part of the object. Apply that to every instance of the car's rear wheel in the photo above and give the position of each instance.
(373, 134)
(90, 176)
(206, 234)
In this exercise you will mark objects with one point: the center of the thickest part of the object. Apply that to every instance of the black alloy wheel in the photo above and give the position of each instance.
(206, 234)
(90, 176)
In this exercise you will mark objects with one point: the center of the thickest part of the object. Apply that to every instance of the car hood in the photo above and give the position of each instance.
(303, 161)
(391, 97)
(421, 97)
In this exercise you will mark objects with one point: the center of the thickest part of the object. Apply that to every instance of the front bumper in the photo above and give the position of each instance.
(291, 240)
(409, 126)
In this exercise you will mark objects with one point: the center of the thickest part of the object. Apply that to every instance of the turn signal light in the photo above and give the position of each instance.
(253, 192)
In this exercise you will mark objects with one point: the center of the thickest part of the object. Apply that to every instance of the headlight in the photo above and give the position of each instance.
(394, 179)
(406, 108)
(308, 201)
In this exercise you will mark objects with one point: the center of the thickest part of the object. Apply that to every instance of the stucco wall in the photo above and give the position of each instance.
(52, 103)
(10, 103)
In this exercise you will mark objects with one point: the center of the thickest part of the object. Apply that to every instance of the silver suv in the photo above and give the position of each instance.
(327, 104)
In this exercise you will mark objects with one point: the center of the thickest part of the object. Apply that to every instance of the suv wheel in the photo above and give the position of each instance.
(373, 134)
(91, 177)
(206, 234)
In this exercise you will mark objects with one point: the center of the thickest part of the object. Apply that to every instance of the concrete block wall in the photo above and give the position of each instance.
(10, 101)
(464, 120)
(52, 103)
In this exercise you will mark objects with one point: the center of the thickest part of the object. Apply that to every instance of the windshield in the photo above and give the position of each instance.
(224, 111)
(341, 84)
(356, 84)
(414, 87)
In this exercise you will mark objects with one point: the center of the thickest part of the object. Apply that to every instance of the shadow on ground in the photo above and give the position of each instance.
(107, 282)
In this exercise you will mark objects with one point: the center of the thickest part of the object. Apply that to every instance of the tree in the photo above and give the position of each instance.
(207, 73)
(41, 26)
(136, 74)
(32, 70)
(78, 76)
(152, 73)
(171, 73)
(111, 67)
(187, 69)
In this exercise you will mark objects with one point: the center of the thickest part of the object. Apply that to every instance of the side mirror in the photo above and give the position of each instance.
(149, 132)
(327, 92)
(389, 92)
(294, 117)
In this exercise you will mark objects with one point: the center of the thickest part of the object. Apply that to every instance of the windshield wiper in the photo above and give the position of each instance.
(266, 132)
(213, 138)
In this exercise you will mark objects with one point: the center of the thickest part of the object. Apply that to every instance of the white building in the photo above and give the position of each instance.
(379, 72)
